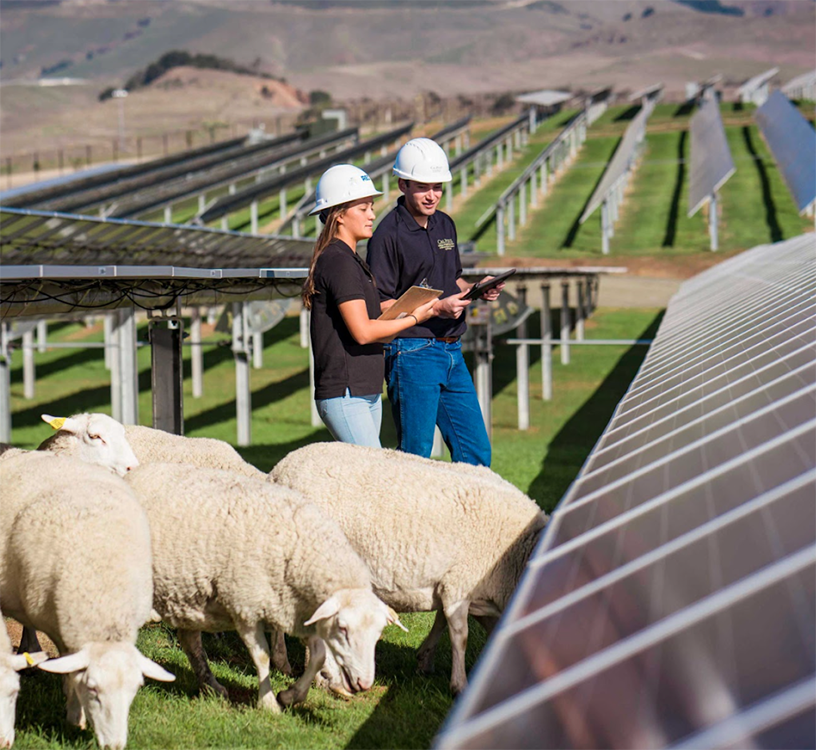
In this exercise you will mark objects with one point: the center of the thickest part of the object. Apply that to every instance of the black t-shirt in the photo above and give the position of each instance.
(402, 254)
(340, 362)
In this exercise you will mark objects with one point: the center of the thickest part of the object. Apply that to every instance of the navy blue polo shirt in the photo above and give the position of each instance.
(402, 254)
(340, 362)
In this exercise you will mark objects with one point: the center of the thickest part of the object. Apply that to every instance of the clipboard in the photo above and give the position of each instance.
(410, 301)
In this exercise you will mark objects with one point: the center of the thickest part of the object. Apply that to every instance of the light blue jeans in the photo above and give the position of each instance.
(353, 419)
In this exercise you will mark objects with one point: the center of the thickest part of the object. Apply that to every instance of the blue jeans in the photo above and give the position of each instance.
(353, 419)
(428, 385)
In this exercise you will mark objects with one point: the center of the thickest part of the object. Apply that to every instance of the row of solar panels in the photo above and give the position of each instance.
(672, 601)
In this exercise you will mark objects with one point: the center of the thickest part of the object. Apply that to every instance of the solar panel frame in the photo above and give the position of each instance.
(792, 142)
(585, 550)
(711, 160)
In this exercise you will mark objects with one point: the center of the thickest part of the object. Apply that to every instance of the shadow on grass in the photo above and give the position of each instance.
(570, 447)
(671, 225)
(628, 114)
(43, 370)
(770, 207)
(685, 109)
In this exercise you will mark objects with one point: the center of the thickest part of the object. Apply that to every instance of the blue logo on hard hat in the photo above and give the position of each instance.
(365, 178)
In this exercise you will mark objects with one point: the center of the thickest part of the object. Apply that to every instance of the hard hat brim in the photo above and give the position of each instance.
(318, 209)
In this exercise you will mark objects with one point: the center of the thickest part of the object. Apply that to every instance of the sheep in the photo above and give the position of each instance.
(75, 563)
(10, 664)
(236, 553)
(9, 451)
(435, 536)
(157, 446)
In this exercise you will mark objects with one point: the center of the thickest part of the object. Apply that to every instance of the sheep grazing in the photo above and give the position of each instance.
(93, 438)
(10, 664)
(435, 536)
(156, 446)
(75, 563)
(235, 553)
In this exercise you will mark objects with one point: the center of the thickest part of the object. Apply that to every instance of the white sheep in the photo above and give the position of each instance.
(435, 536)
(157, 446)
(75, 563)
(10, 664)
(236, 553)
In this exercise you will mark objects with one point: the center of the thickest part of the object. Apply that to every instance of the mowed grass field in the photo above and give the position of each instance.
(404, 709)
(755, 205)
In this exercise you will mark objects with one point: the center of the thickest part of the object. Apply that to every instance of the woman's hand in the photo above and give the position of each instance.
(425, 312)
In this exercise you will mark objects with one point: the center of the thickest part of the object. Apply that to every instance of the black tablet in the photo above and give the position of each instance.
(477, 290)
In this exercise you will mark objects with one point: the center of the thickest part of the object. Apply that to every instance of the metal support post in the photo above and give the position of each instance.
(463, 181)
(449, 196)
(257, 351)
(385, 186)
(565, 323)
(296, 226)
(509, 146)
(523, 366)
(196, 354)
(588, 308)
(545, 177)
(316, 421)
(579, 310)
(604, 224)
(499, 156)
(483, 374)
(224, 223)
(243, 392)
(500, 230)
(168, 214)
(522, 204)
(29, 372)
(546, 346)
(253, 217)
(511, 219)
(128, 367)
(533, 190)
(282, 201)
(42, 335)
(232, 189)
(712, 222)
(304, 328)
(202, 202)
(5, 386)
(489, 165)
(166, 375)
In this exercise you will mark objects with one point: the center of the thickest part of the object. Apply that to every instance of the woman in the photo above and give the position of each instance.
(340, 291)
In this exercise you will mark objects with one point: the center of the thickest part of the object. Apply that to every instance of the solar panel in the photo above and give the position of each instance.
(621, 160)
(792, 141)
(801, 87)
(711, 161)
(672, 601)
(752, 85)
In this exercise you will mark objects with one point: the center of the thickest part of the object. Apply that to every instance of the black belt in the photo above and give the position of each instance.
(447, 339)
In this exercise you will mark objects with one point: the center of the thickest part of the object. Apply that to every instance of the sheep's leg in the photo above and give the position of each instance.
(298, 692)
(28, 641)
(279, 656)
(457, 615)
(190, 641)
(254, 638)
(74, 712)
(427, 651)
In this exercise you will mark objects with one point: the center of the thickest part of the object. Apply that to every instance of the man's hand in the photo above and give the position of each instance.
(492, 294)
(451, 307)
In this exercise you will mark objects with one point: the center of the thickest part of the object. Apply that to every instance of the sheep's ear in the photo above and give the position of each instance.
(393, 619)
(21, 661)
(154, 671)
(67, 664)
(329, 608)
(55, 423)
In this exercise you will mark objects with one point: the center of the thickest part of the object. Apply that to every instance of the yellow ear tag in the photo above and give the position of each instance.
(28, 658)
(57, 423)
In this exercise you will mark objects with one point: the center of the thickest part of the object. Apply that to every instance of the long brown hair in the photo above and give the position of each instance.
(326, 236)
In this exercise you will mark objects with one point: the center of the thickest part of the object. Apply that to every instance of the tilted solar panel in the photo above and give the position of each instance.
(711, 161)
(792, 141)
(672, 601)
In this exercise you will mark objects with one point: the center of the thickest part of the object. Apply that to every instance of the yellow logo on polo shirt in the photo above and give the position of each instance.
(445, 244)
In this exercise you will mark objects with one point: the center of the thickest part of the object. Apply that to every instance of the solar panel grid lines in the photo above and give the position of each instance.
(792, 142)
(671, 637)
(711, 160)
(678, 507)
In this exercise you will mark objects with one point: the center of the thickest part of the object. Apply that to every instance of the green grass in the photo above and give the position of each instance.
(404, 709)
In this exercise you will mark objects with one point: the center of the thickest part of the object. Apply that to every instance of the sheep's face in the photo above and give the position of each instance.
(105, 678)
(98, 439)
(351, 622)
(9, 687)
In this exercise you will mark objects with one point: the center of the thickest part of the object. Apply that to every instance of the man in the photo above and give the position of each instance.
(428, 381)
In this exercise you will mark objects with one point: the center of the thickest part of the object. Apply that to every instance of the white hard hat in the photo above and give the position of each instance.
(422, 160)
(340, 184)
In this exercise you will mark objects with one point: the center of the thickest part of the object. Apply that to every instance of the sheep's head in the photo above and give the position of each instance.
(105, 678)
(9, 687)
(351, 622)
(93, 438)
